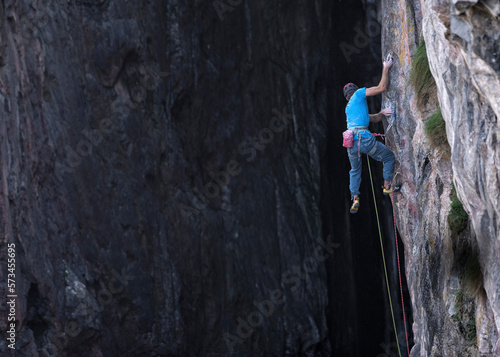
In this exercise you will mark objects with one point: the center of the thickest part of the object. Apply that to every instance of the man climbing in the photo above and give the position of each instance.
(364, 142)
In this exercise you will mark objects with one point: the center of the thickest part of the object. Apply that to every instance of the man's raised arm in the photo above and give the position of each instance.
(384, 81)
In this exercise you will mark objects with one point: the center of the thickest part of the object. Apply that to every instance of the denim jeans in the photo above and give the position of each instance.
(376, 150)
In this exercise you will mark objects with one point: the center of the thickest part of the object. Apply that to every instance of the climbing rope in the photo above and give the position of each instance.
(385, 267)
(397, 251)
(383, 258)
(399, 272)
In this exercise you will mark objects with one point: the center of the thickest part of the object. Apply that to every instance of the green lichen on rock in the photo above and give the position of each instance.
(464, 317)
(421, 77)
(471, 286)
(471, 331)
(457, 218)
(435, 128)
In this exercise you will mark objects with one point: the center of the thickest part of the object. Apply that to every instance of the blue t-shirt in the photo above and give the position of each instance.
(357, 110)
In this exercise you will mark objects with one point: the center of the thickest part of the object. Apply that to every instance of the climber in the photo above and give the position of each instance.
(363, 141)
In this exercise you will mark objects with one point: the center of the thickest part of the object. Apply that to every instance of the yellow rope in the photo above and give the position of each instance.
(383, 257)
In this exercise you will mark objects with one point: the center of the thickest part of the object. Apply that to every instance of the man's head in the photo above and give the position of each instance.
(349, 90)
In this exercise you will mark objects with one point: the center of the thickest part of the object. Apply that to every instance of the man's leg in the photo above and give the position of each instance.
(355, 172)
(386, 156)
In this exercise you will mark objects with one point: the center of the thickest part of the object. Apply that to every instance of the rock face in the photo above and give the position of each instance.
(172, 185)
(462, 47)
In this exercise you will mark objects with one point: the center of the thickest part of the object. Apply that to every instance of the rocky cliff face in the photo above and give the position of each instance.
(162, 170)
(462, 40)
(173, 182)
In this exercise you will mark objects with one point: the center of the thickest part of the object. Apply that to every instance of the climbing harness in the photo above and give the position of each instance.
(381, 135)
(348, 139)
(385, 265)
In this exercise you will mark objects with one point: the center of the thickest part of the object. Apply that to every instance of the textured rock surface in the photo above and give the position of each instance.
(472, 63)
(162, 165)
(462, 46)
(163, 201)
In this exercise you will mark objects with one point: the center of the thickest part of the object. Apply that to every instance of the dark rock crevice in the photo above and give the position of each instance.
(356, 277)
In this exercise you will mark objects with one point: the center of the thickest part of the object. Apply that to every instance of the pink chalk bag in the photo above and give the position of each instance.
(348, 139)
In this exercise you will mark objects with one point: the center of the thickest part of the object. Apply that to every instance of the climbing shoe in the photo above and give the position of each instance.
(394, 188)
(355, 206)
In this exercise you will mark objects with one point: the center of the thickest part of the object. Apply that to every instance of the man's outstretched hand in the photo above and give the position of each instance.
(388, 62)
(375, 118)
(384, 81)
(386, 111)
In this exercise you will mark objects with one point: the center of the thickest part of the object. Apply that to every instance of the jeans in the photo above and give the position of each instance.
(376, 150)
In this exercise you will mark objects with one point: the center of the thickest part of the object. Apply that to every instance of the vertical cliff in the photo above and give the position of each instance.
(173, 181)
(163, 181)
(461, 45)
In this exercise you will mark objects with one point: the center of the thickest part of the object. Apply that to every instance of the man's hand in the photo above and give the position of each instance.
(388, 62)
(384, 81)
(375, 118)
(386, 112)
